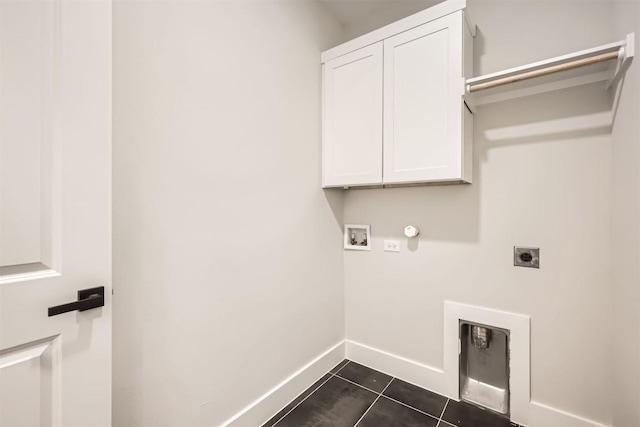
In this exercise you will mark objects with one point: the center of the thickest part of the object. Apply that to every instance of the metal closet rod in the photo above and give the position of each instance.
(544, 71)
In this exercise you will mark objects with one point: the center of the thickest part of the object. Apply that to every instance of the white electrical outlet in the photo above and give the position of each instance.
(392, 245)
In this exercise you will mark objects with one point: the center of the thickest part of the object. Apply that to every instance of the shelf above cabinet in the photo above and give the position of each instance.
(606, 63)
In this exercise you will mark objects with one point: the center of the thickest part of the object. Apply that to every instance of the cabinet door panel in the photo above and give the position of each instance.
(352, 129)
(422, 122)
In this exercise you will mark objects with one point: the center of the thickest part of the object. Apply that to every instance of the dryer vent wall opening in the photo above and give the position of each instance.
(484, 366)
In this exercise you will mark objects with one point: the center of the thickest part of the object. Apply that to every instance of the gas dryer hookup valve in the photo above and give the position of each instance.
(411, 231)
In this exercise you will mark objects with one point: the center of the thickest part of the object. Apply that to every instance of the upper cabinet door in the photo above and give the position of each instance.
(352, 125)
(423, 103)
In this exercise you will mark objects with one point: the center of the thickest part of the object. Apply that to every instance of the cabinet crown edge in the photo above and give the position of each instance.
(420, 18)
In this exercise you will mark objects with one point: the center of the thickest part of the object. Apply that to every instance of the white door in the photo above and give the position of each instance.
(352, 118)
(422, 103)
(55, 212)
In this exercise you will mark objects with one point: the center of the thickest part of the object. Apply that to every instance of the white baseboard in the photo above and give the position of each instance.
(407, 370)
(267, 405)
(546, 416)
(433, 379)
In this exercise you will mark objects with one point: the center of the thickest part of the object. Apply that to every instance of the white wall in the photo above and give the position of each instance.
(626, 233)
(227, 253)
(379, 13)
(540, 179)
(217, 142)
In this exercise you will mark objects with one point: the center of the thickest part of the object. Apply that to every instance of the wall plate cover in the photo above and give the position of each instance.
(526, 257)
(392, 246)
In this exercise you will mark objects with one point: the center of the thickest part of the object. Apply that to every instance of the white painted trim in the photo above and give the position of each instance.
(471, 24)
(438, 11)
(422, 375)
(267, 405)
(55, 363)
(23, 353)
(52, 362)
(57, 142)
(547, 416)
(624, 62)
(519, 343)
(585, 75)
(23, 277)
(563, 59)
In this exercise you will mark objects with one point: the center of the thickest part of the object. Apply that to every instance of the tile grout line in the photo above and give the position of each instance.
(359, 385)
(391, 398)
(316, 389)
(380, 394)
(440, 420)
(336, 372)
(374, 402)
(298, 404)
(411, 407)
(444, 409)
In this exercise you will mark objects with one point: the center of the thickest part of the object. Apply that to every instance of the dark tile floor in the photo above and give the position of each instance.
(354, 395)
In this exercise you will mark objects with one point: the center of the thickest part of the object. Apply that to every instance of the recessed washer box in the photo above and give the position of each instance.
(357, 237)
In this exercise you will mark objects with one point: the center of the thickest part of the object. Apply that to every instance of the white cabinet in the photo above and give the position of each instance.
(352, 126)
(401, 119)
(423, 106)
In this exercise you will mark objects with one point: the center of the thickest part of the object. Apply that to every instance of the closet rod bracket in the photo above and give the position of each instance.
(625, 58)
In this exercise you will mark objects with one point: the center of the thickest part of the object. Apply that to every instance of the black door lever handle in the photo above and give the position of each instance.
(87, 299)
